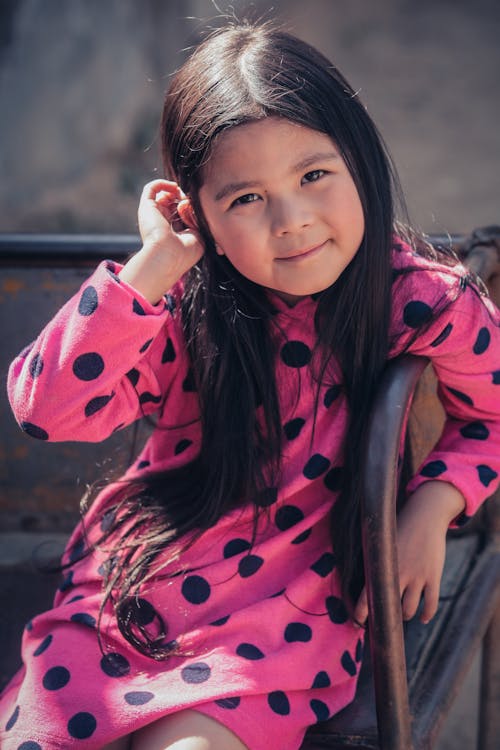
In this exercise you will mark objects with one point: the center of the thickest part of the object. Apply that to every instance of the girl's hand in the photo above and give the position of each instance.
(171, 242)
(422, 526)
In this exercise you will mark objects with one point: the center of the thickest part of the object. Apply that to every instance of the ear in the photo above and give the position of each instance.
(186, 214)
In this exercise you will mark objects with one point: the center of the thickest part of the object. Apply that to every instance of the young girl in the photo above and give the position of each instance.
(212, 597)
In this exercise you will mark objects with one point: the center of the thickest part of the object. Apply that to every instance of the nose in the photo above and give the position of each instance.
(289, 215)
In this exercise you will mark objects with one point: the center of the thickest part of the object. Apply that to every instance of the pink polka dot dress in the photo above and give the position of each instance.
(261, 640)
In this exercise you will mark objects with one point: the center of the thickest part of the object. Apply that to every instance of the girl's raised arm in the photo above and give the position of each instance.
(110, 354)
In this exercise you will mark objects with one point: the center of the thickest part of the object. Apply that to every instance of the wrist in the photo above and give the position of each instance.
(145, 272)
(441, 499)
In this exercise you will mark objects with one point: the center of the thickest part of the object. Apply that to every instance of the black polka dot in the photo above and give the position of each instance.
(279, 703)
(220, 621)
(138, 697)
(96, 404)
(149, 398)
(168, 353)
(293, 427)
(249, 651)
(36, 366)
(443, 335)
(142, 611)
(88, 301)
(228, 702)
(461, 396)
(324, 565)
(106, 568)
(170, 303)
(82, 725)
(30, 745)
(416, 314)
(88, 366)
(138, 308)
(67, 582)
(108, 520)
(320, 709)
(236, 547)
(321, 680)
(482, 341)
(83, 618)
(333, 479)
(295, 354)
(182, 445)
(297, 631)
(76, 550)
(434, 469)
(195, 589)
(348, 663)
(189, 384)
(495, 377)
(331, 395)
(486, 474)
(29, 625)
(288, 516)
(267, 497)
(115, 665)
(75, 599)
(12, 719)
(475, 431)
(43, 646)
(56, 678)
(316, 466)
(34, 431)
(196, 673)
(249, 565)
(145, 346)
(302, 537)
(337, 611)
(133, 375)
(359, 650)
(143, 464)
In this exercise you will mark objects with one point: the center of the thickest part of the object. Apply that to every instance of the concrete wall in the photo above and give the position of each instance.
(81, 86)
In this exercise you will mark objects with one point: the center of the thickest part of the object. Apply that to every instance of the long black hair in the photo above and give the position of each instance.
(240, 74)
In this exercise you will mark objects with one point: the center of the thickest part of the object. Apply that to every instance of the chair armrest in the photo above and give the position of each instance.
(378, 528)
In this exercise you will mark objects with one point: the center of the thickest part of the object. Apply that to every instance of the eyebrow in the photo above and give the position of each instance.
(235, 187)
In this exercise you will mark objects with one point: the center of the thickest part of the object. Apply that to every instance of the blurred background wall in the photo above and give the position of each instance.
(82, 81)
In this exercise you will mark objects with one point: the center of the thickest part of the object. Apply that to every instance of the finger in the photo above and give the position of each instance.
(431, 601)
(152, 189)
(410, 601)
(361, 609)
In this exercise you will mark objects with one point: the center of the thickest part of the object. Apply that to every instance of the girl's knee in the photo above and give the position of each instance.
(186, 730)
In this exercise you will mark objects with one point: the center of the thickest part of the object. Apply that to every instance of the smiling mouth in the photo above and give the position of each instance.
(302, 253)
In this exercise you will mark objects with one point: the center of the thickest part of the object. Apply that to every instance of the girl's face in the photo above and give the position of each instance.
(282, 206)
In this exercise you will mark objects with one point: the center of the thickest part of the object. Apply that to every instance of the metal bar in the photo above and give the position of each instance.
(380, 551)
(65, 249)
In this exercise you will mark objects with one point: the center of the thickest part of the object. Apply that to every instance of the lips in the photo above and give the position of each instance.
(305, 253)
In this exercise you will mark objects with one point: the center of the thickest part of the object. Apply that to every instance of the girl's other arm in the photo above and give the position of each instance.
(421, 532)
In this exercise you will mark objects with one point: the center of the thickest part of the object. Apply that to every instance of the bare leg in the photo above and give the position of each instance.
(186, 730)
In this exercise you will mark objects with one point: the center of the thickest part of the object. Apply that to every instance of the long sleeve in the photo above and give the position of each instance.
(107, 358)
(463, 344)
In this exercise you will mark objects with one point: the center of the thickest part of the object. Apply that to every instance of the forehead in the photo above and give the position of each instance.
(263, 145)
